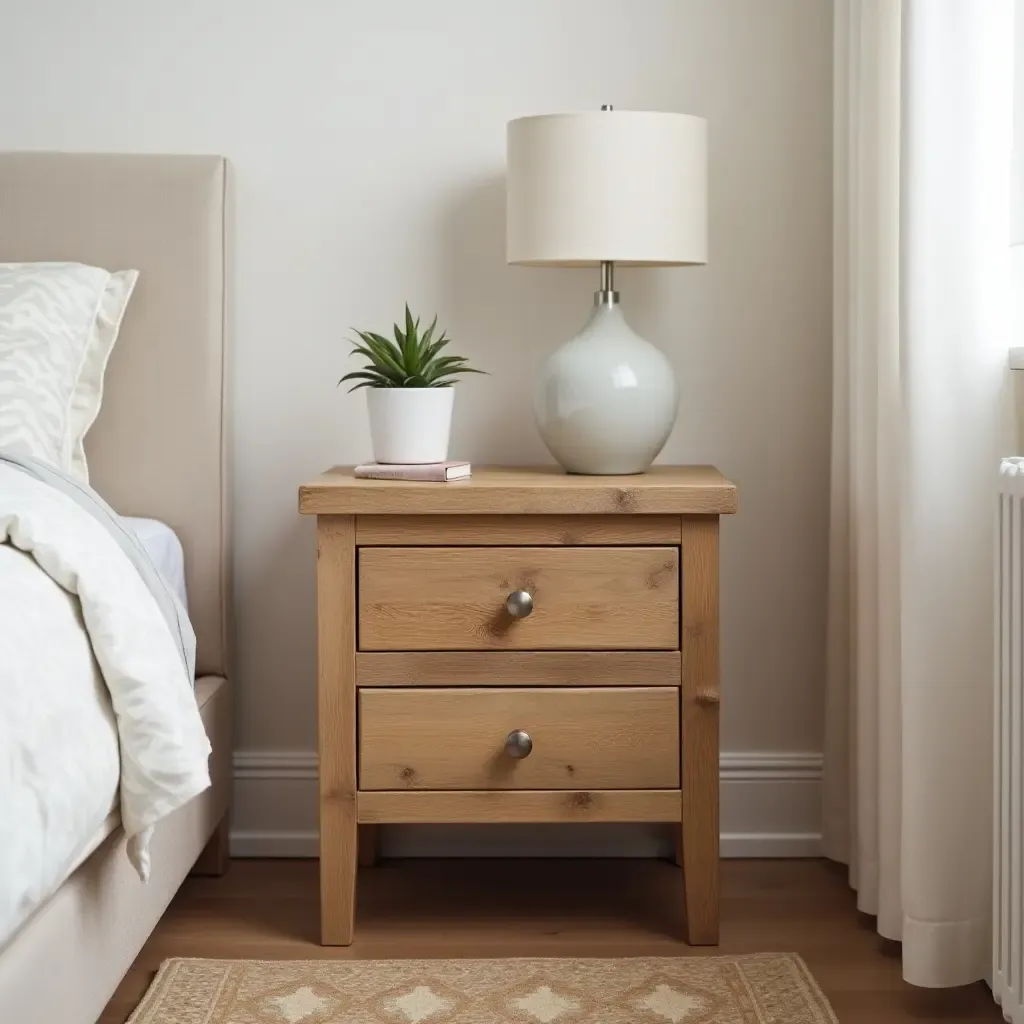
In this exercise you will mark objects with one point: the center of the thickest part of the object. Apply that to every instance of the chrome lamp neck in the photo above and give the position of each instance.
(607, 296)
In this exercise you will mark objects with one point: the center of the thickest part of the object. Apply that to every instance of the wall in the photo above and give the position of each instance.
(368, 146)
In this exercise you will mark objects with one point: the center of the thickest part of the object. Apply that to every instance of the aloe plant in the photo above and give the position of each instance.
(412, 360)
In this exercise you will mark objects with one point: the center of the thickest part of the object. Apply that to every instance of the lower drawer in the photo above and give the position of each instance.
(573, 738)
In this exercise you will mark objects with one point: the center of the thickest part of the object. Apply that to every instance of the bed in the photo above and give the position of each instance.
(158, 452)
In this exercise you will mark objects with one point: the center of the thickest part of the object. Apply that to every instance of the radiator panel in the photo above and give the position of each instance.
(1008, 761)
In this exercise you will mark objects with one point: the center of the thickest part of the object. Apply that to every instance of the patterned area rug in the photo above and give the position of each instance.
(769, 988)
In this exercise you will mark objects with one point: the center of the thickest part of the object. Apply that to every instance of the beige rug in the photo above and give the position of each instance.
(769, 988)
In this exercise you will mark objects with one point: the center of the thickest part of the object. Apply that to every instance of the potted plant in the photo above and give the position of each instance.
(409, 392)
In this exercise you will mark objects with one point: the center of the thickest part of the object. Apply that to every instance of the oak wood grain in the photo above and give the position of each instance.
(495, 530)
(496, 806)
(699, 743)
(432, 566)
(454, 598)
(336, 716)
(583, 738)
(542, 490)
(518, 668)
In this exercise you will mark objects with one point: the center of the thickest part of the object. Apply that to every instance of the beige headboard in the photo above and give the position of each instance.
(159, 446)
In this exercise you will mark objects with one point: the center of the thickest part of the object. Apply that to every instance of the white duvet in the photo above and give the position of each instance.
(95, 700)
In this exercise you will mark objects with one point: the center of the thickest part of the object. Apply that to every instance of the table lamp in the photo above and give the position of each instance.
(596, 189)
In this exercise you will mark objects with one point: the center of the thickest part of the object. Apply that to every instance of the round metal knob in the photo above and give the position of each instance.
(518, 744)
(519, 604)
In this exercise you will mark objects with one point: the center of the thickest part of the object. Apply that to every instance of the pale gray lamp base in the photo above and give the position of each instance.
(606, 400)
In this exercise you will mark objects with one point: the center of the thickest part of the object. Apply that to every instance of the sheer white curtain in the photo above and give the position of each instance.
(923, 94)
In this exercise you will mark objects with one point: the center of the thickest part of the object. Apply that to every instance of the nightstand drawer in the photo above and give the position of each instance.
(593, 598)
(468, 739)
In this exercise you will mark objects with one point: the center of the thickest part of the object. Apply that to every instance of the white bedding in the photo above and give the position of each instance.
(164, 548)
(95, 701)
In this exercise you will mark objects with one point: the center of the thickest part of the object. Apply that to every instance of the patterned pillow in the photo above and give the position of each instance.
(85, 402)
(58, 324)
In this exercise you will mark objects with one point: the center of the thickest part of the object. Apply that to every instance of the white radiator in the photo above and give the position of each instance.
(1008, 805)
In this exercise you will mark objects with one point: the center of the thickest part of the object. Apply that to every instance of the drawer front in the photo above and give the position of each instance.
(437, 599)
(580, 739)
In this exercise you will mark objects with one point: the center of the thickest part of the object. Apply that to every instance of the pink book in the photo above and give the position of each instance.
(435, 472)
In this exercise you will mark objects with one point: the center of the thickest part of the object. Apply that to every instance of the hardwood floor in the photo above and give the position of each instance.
(268, 910)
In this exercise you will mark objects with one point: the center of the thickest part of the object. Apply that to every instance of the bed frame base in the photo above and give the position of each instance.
(89, 932)
(214, 859)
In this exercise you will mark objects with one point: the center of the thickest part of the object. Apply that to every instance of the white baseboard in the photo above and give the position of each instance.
(245, 843)
(771, 807)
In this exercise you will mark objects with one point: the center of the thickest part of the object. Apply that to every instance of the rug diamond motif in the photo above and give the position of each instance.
(762, 988)
(671, 1004)
(299, 1005)
(545, 1005)
(420, 1004)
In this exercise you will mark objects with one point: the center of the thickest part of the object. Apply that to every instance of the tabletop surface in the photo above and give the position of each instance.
(524, 490)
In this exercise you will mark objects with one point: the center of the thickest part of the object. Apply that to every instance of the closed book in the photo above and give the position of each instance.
(433, 472)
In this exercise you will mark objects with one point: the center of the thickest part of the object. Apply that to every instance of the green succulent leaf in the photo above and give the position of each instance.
(375, 363)
(382, 353)
(444, 367)
(388, 344)
(411, 360)
(363, 374)
(388, 378)
(435, 346)
(449, 378)
(366, 380)
(448, 361)
(427, 335)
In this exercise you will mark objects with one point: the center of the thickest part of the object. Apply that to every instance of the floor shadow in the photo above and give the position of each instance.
(546, 896)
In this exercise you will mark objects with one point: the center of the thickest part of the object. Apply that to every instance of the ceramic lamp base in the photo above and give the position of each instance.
(606, 400)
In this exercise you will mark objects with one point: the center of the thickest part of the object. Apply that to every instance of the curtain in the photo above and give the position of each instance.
(923, 132)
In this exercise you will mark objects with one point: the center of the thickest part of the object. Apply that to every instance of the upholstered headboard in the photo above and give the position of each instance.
(159, 447)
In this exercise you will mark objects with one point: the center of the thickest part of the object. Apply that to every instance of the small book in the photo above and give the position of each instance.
(436, 472)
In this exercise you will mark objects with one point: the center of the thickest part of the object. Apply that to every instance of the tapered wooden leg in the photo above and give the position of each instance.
(369, 846)
(699, 739)
(336, 689)
(216, 855)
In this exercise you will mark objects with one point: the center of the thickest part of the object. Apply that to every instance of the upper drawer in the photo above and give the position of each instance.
(436, 599)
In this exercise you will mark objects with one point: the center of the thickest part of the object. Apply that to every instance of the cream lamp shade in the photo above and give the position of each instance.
(620, 186)
(596, 189)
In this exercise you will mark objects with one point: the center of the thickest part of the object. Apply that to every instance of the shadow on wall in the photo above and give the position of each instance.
(278, 586)
(508, 320)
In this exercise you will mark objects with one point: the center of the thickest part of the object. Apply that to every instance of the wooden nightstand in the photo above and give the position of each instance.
(524, 646)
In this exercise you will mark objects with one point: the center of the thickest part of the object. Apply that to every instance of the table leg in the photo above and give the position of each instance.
(336, 689)
(699, 720)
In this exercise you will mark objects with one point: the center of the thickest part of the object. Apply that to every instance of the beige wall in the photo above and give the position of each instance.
(368, 146)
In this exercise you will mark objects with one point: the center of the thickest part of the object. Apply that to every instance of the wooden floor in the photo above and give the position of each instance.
(268, 910)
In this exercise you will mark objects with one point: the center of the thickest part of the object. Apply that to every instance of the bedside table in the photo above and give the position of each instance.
(523, 646)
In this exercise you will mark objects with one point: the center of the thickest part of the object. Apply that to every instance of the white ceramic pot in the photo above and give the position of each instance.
(410, 426)
(606, 400)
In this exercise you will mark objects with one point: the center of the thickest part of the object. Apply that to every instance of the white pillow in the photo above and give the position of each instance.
(58, 324)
